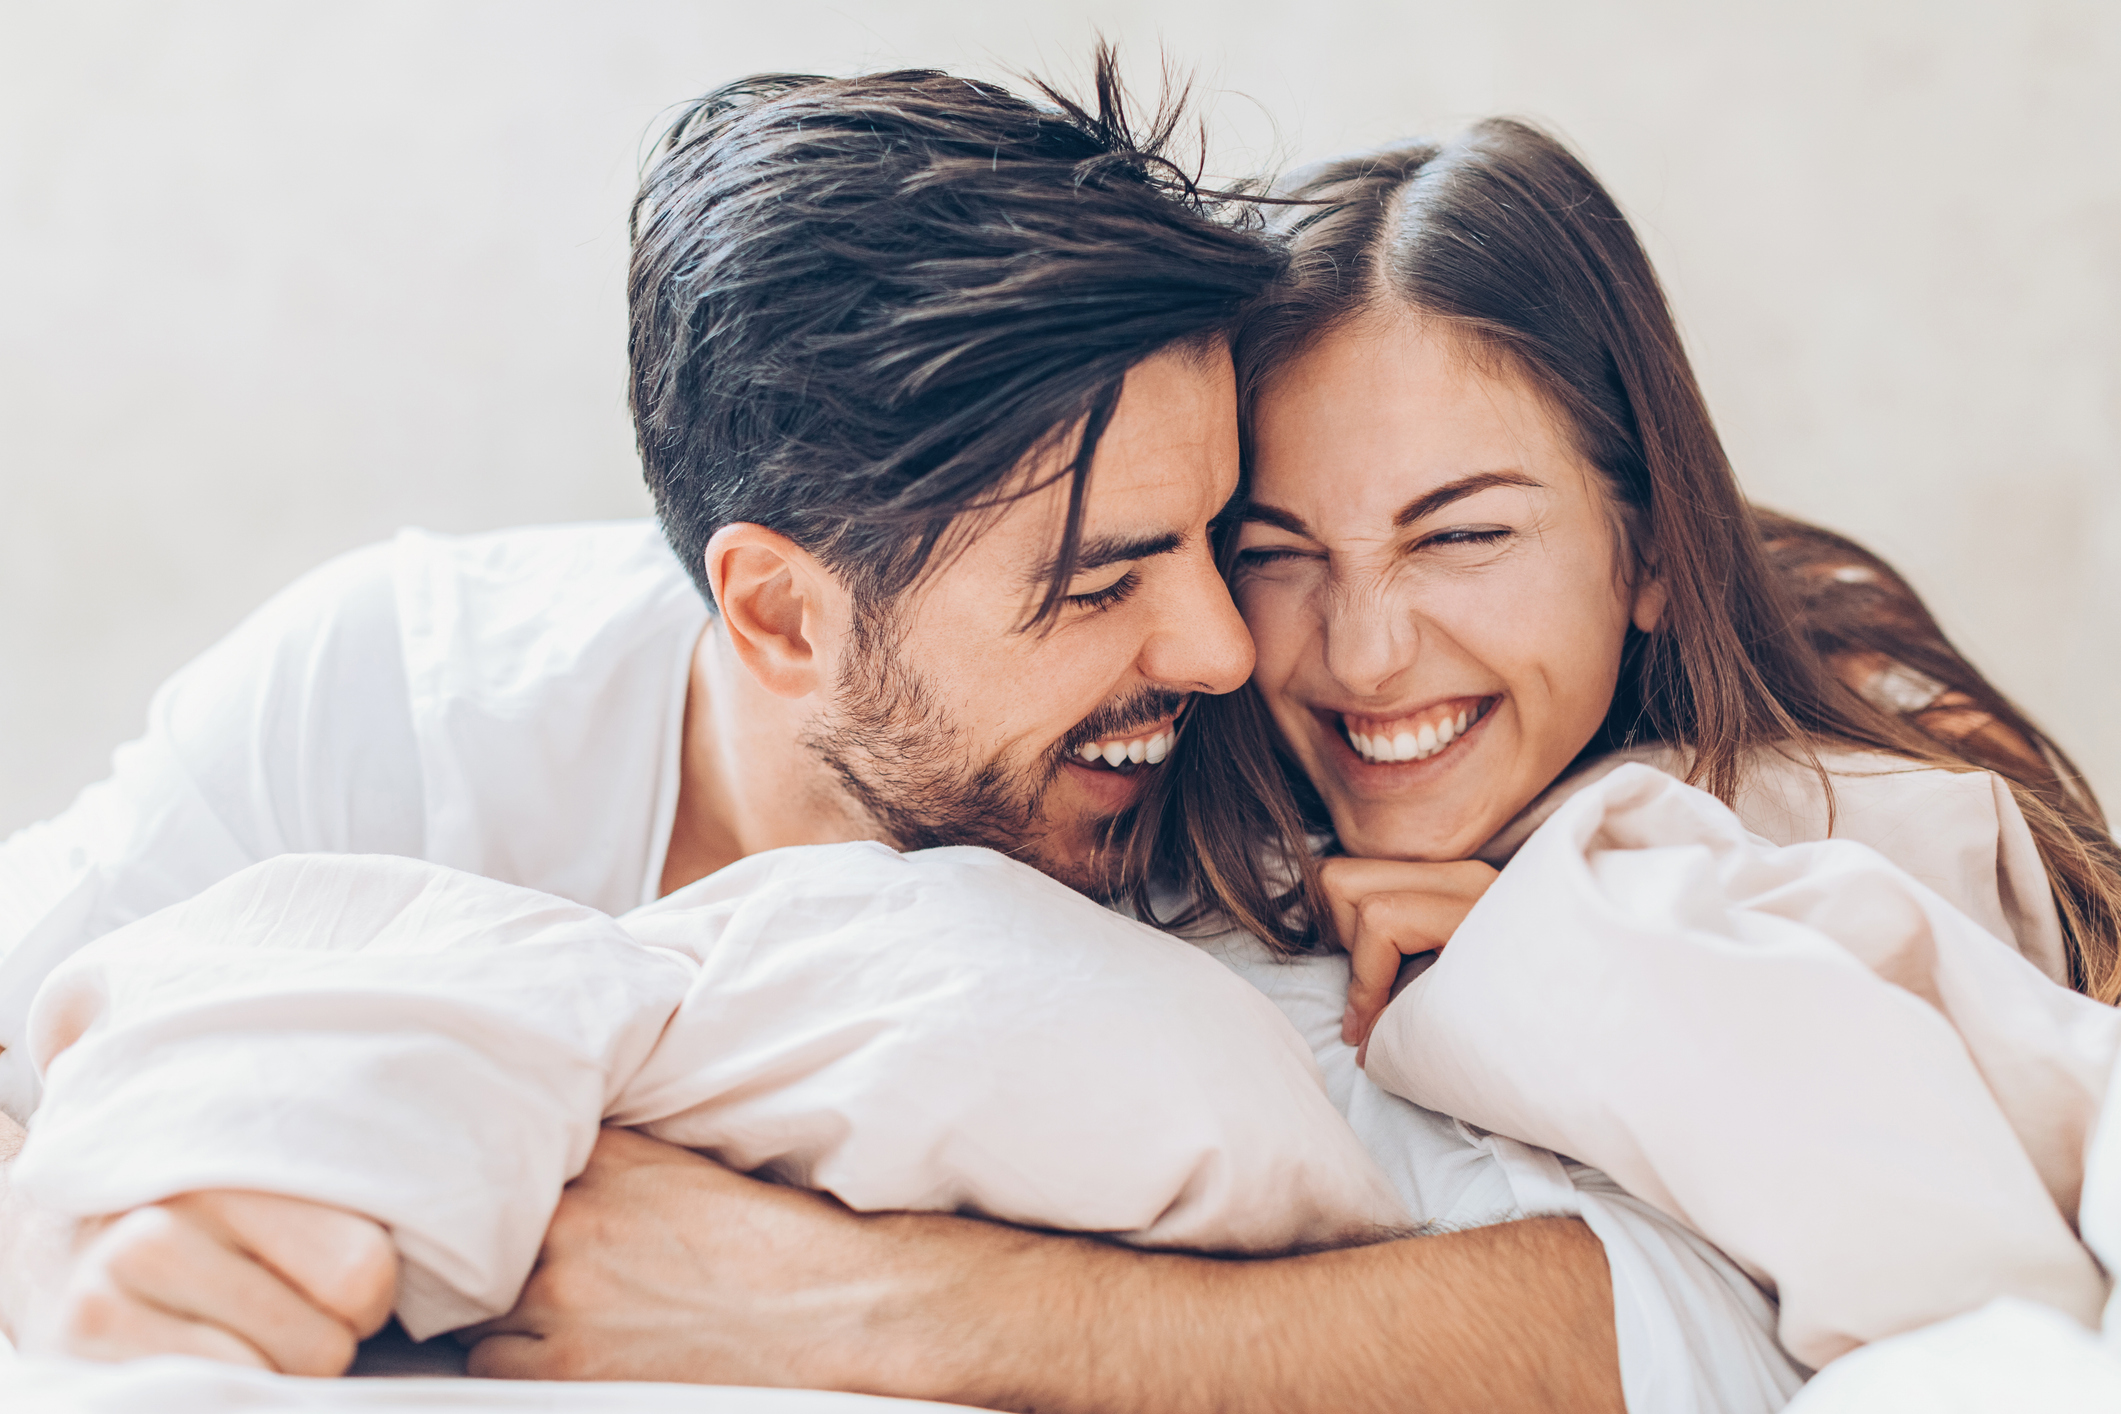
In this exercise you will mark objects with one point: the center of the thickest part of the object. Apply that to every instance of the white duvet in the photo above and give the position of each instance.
(1875, 1105)
(945, 1030)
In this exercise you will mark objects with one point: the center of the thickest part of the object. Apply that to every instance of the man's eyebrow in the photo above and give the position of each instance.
(1103, 550)
(1429, 503)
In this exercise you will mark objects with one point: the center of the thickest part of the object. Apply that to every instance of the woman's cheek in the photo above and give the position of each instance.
(1280, 635)
(1274, 616)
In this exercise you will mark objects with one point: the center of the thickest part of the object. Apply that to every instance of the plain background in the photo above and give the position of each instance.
(278, 278)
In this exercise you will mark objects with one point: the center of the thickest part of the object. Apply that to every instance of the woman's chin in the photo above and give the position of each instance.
(1375, 834)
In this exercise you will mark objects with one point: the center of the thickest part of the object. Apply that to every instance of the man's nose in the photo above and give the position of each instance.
(1200, 643)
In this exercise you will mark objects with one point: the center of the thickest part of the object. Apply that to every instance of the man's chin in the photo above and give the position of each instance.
(1098, 792)
(1077, 844)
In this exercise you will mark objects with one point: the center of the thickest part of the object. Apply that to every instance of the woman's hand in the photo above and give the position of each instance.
(1387, 910)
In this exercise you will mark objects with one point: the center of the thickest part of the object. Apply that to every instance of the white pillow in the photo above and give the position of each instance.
(942, 1030)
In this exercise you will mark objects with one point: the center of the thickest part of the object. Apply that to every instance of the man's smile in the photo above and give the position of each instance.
(1143, 747)
(1114, 769)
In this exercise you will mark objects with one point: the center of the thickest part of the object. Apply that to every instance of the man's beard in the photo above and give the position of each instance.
(900, 754)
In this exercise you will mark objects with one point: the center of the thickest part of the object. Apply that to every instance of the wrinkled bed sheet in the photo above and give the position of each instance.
(1880, 1110)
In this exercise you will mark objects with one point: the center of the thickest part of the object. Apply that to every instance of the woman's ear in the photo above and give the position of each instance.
(1649, 603)
(776, 603)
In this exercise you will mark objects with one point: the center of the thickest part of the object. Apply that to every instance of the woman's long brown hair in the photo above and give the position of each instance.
(1775, 634)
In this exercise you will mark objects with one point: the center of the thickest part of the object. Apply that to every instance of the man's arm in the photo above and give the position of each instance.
(661, 1265)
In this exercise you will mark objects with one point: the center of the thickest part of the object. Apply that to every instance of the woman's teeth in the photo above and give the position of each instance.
(1122, 751)
(1410, 738)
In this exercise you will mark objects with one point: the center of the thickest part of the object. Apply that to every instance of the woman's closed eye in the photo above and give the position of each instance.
(1459, 535)
(1271, 555)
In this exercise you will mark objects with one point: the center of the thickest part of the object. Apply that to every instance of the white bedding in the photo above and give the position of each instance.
(2009, 1355)
(1878, 1108)
(938, 1031)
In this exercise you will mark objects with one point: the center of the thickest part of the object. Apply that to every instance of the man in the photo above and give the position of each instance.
(932, 391)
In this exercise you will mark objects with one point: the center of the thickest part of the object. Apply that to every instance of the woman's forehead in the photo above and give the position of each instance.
(1376, 416)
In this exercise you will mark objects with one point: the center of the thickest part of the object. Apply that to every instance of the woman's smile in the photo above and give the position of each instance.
(1420, 735)
(1380, 757)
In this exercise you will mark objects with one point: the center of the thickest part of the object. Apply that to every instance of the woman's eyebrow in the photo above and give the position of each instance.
(1430, 502)
(1276, 517)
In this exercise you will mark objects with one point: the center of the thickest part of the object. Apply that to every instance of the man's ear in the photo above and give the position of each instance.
(1650, 600)
(778, 604)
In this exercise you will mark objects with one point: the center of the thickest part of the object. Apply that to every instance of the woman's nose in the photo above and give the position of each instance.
(1367, 641)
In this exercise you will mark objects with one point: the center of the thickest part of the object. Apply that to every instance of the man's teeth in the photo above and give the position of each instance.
(1141, 751)
(1408, 742)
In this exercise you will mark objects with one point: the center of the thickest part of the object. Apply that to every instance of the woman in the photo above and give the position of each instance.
(1493, 548)
(1487, 500)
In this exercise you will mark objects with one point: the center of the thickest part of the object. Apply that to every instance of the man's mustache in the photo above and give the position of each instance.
(1145, 708)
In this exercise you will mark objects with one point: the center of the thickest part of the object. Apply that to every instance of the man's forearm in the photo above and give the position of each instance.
(661, 1265)
(1517, 1316)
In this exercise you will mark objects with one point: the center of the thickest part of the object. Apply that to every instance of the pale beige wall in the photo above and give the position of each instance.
(278, 278)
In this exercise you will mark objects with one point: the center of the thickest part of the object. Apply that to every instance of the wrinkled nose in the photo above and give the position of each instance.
(1366, 642)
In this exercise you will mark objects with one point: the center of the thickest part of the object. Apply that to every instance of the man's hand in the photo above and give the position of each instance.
(661, 1265)
(1387, 910)
(249, 1278)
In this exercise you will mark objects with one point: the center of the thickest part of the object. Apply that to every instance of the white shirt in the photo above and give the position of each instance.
(512, 704)
(509, 704)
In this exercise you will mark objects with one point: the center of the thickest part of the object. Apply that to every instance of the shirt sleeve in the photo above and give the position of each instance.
(292, 734)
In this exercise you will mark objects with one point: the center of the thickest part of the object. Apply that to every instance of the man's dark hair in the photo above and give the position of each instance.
(859, 304)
